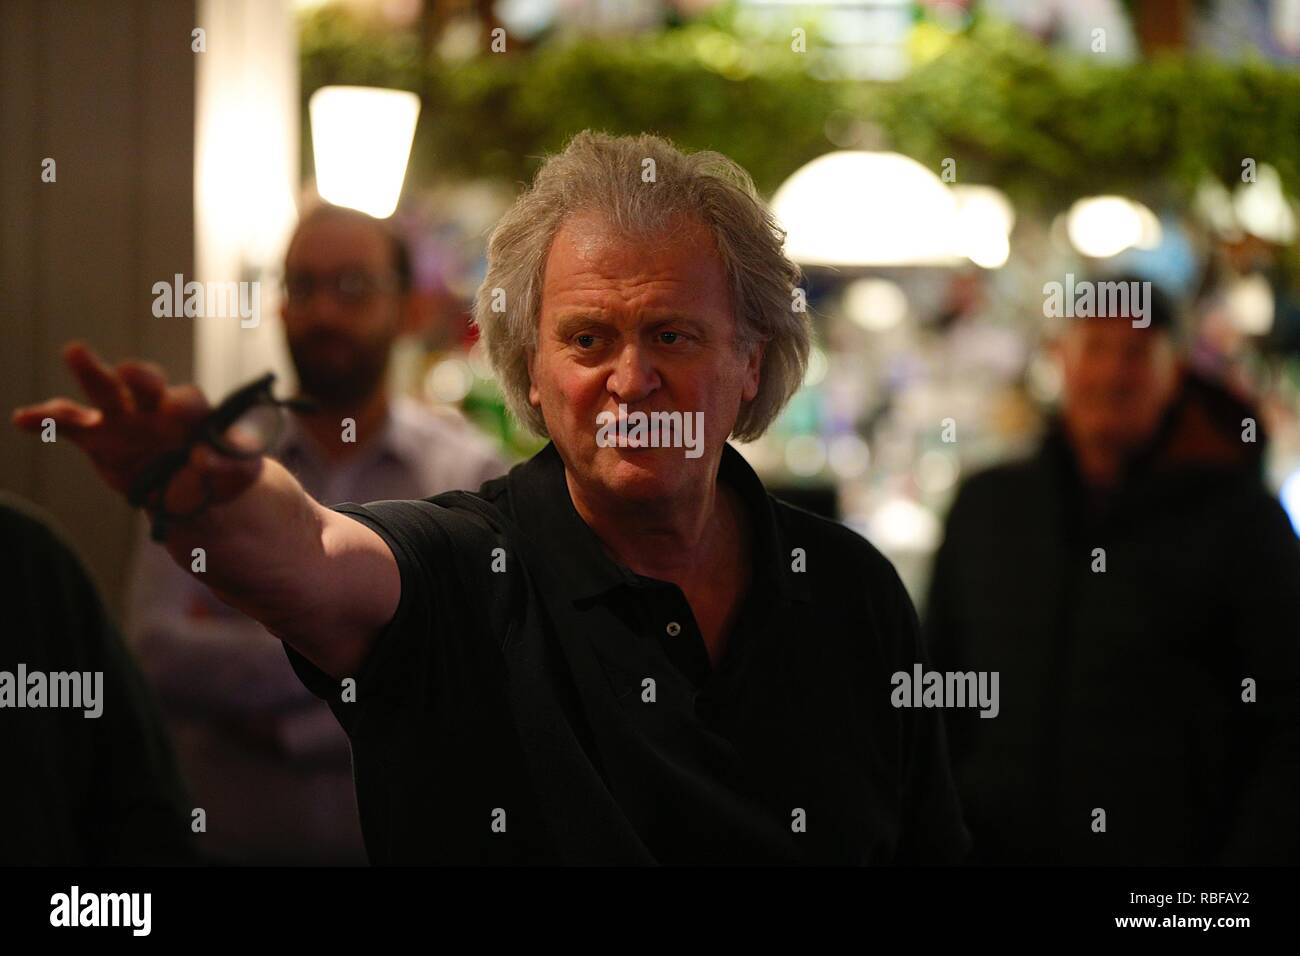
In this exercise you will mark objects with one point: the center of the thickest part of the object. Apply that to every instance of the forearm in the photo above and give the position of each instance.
(261, 552)
(315, 579)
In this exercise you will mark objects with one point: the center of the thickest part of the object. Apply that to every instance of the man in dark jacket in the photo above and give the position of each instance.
(1138, 591)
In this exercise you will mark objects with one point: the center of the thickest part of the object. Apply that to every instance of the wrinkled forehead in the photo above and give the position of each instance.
(593, 263)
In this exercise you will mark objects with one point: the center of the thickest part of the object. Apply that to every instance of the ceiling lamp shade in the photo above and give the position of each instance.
(856, 208)
(1103, 226)
(1262, 208)
(361, 137)
(983, 226)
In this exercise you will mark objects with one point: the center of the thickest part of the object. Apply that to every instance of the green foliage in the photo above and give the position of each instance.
(1049, 128)
(1046, 127)
(496, 115)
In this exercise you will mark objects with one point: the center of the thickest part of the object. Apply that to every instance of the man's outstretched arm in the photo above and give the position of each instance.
(318, 580)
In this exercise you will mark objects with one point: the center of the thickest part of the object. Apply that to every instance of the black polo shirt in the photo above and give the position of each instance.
(532, 701)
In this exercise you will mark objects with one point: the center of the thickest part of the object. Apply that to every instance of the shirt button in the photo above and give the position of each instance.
(673, 628)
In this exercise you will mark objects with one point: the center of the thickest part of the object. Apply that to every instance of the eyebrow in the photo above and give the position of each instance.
(298, 270)
(566, 325)
(574, 319)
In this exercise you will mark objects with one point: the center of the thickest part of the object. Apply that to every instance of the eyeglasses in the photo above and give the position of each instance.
(349, 287)
(245, 424)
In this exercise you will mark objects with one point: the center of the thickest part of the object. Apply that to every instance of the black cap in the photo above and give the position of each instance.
(1159, 306)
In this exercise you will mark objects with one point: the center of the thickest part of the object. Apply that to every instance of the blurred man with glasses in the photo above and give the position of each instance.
(264, 758)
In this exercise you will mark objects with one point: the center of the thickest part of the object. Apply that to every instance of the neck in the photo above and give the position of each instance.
(1100, 463)
(668, 541)
(325, 425)
(1099, 466)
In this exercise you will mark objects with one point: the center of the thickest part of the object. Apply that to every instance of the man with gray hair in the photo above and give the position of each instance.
(619, 652)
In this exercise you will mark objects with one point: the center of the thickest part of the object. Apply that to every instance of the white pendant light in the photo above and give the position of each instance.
(361, 137)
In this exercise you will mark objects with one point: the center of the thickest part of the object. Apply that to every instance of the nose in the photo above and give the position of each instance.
(320, 308)
(1120, 373)
(633, 377)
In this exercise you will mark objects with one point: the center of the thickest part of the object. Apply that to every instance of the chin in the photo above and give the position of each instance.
(646, 474)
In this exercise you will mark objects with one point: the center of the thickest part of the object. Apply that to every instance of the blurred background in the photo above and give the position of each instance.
(935, 163)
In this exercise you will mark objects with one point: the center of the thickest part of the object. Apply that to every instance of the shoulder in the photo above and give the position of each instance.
(1006, 479)
(1247, 513)
(55, 605)
(450, 552)
(29, 536)
(444, 440)
(856, 600)
(441, 422)
(839, 548)
(844, 570)
(452, 519)
(995, 494)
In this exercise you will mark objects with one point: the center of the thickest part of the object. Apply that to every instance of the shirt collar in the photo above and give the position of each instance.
(543, 509)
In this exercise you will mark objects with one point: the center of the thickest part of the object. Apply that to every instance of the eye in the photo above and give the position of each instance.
(298, 287)
(671, 338)
(353, 285)
(585, 340)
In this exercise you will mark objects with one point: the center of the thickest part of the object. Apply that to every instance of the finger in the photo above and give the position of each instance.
(188, 400)
(227, 476)
(101, 386)
(146, 383)
(65, 413)
(184, 494)
(209, 478)
(234, 478)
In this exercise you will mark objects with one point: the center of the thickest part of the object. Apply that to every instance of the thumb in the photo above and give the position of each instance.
(226, 477)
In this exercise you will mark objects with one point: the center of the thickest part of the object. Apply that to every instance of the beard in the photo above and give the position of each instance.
(338, 370)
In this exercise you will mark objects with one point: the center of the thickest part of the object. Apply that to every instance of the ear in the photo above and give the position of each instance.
(414, 314)
(534, 396)
(1175, 368)
(1054, 347)
(753, 371)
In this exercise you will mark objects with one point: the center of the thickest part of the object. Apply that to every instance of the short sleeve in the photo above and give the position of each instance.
(437, 644)
(413, 532)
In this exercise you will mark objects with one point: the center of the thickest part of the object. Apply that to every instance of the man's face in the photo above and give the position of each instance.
(644, 323)
(340, 330)
(1118, 380)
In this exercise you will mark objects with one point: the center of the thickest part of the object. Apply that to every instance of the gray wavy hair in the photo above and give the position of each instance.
(603, 174)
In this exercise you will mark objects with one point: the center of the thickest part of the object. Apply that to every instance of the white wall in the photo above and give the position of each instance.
(168, 161)
(107, 91)
(246, 132)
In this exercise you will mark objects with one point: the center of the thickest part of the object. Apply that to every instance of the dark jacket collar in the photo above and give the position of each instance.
(1197, 440)
(543, 510)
